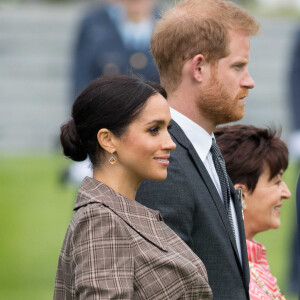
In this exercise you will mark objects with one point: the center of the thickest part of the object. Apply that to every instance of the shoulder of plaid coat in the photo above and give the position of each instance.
(116, 248)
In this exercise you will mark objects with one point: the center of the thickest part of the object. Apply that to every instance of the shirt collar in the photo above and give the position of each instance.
(199, 137)
(257, 253)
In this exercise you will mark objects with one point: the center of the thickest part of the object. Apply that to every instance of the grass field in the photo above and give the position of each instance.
(34, 215)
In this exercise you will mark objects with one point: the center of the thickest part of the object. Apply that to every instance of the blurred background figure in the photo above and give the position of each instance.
(113, 38)
(294, 89)
(256, 159)
(297, 261)
(294, 144)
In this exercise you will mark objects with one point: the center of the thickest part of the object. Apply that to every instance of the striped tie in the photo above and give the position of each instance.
(223, 177)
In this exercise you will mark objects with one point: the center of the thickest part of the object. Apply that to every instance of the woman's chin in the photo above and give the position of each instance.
(275, 225)
(158, 177)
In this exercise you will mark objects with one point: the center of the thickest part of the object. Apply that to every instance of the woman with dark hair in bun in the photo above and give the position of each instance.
(116, 248)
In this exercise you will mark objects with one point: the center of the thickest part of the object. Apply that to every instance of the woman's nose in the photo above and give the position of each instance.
(169, 144)
(286, 194)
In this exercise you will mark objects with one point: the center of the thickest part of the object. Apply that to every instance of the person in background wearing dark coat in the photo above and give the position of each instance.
(297, 256)
(201, 48)
(115, 39)
(112, 39)
(294, 145)
(294, 96)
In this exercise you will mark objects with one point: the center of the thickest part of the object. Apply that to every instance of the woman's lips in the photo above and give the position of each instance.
(163, 160)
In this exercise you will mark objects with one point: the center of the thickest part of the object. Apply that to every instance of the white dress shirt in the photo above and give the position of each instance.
(202, 142)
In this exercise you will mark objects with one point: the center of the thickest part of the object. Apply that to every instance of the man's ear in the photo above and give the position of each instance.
(106, 140)
(197, 67)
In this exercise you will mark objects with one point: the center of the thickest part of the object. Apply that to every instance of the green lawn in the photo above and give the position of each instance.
(34, 217)
(35, 212)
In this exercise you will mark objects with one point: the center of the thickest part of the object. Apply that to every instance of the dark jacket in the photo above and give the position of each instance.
(100, 51)
(191, 206)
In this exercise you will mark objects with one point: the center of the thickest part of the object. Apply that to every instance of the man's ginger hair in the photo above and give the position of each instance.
(196, 27)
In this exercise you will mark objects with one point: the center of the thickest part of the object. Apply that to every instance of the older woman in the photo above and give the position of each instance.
(116, 248)
(255, 160)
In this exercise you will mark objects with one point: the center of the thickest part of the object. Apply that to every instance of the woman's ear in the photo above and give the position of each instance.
(197, 67)
(243, 188)
(106, 140)
(243, 194)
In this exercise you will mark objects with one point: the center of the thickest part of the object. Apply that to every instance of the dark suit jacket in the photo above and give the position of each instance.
(191, 206)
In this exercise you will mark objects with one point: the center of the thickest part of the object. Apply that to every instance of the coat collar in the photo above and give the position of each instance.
(198, 136)
(145, 221)
(257, 253)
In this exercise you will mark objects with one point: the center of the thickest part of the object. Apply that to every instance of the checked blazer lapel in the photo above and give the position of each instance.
(178, 134)
(143, 220)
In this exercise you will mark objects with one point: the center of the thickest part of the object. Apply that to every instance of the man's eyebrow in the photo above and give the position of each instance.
(241, 61)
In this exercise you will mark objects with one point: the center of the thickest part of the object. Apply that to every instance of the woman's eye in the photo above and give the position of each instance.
(154, 130)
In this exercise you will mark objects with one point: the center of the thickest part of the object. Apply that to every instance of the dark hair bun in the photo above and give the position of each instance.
(71, 143)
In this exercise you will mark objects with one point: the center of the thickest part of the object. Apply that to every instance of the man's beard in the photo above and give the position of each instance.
(217, 105)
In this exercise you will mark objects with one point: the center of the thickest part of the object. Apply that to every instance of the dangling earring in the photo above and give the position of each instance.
(240, 194)
(112, 160)
(244, 206)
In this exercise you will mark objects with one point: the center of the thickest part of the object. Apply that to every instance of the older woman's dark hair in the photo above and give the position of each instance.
(108, 102)
(248, 149)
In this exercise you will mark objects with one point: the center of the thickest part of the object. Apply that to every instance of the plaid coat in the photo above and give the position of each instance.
(116, 248)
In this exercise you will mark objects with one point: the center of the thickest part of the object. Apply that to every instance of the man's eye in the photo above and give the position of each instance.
(239, 67)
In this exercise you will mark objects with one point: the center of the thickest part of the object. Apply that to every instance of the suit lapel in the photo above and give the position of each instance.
(182, 139)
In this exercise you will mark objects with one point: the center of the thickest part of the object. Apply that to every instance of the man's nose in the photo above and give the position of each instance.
(247, 81)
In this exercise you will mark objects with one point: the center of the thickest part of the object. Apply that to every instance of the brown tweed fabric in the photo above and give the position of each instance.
(116, 248)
